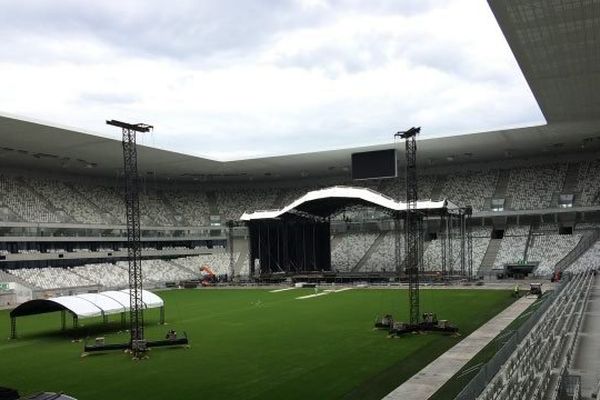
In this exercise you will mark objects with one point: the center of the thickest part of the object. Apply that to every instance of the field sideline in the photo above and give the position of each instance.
(248, 344)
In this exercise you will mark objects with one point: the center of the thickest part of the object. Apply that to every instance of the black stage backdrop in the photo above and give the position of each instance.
(289, 244)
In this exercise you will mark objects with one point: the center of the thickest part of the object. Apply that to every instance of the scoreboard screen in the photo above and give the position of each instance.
(374, 164)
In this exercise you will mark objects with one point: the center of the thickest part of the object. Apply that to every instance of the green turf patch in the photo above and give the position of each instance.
(248, 344)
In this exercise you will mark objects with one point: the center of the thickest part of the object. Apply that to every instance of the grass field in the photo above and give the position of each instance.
(247, 344)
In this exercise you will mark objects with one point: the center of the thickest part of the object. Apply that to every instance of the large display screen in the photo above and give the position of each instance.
(374, 164)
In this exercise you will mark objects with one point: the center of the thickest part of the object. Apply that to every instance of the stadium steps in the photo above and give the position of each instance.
(279, 199)
(587, 241)
(365, 258)
(530, 239)
(240, 246)
(6, 214)
(211, 197)
(105, 214)
(502, 184)
(176, 217)
(184, 268)
(487, 263)
(571, 178)
(181, 268)
(436, 192)
(61, 214)
(335, 241)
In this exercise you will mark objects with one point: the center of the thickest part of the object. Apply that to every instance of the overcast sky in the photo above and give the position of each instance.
(233, 79)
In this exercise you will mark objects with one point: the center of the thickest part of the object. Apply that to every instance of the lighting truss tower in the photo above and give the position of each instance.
(134, 250)
(230, 225)
(412, 234)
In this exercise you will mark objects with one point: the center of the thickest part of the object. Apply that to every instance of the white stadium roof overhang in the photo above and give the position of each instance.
(87, 305)
(323, 202)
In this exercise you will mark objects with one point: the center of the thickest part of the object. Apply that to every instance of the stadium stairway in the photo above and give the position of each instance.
(436, 192)
(241, 247)
(82, 196)
(6, 214)
(365, 258)
(487, 264)
(61, 214)
(173, 214)
(571, 178)
(185, 268)
(335, 241)
(279, 199)
(211, 197)
(502, 184)
(587, 241)
(530, 240)
(570, 185)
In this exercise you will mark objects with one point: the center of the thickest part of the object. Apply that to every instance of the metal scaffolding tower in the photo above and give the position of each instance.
(412, 233)
(134, 249)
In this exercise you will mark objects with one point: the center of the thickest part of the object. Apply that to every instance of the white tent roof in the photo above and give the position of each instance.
(105, 303)
(150, 299)
(87, 305)
(364, 194)
(78, 306)
(119, 296)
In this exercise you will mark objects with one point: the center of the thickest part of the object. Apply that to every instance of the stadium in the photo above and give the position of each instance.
(456, 267)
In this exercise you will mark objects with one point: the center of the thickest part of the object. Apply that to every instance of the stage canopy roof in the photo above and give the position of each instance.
(327, 201)
(86, 305)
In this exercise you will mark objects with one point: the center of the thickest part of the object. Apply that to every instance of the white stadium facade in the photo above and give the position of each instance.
(534, 191)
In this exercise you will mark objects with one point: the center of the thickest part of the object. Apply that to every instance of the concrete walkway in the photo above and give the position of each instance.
(586, 361)
(431, 378)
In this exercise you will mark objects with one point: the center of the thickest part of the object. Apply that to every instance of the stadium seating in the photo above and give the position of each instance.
(545, 351)
(512, 250)
(63, 197)
(470, 188)
(396, 188)
(549, 250)
(383, 257)
(114, 276)
(232, 204)
(588, 260)
(531, 188)
(25, 203)
(350, 250)
(68, 199)
(193, 206)
(217, 262)
(589, 183)
(51, 278)
(110, 276)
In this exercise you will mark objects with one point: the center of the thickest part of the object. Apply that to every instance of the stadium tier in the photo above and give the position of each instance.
(65, 199)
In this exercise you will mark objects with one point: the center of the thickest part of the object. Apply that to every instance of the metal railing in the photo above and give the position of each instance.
(584, 244)
(485, 375)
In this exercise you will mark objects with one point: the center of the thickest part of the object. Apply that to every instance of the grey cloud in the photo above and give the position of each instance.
(184, 30)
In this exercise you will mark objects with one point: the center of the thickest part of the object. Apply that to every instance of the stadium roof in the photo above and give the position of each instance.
(557, 46)
(555, 43)
(86, 305)
(326, 201)
(34, 145)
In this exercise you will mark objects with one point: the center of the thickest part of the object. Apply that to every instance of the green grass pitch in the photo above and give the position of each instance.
(247, 344)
